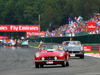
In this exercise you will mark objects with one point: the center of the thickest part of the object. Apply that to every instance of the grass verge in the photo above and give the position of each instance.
(33, 45)
(93, 51)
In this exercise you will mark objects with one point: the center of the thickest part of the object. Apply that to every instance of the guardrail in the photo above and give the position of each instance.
(93, 46)
(37, 43)
(90, 39)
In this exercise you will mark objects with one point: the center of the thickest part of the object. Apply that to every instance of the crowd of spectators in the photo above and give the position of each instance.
(75, 27)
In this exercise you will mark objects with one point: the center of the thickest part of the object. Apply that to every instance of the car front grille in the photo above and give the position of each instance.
(49, 58)
(74, 51)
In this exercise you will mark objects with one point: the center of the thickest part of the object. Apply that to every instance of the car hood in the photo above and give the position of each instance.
(73, 48)
(48, 53)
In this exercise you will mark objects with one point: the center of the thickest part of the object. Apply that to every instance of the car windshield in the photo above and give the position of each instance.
(53, 47)
(70, 43)
(25, 41)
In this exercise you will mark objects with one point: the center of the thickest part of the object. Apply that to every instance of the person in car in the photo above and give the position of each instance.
(64, 44)
(76, 43)
(43, 47)
(60, 48)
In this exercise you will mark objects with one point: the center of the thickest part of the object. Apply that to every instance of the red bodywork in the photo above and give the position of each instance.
(48, 54)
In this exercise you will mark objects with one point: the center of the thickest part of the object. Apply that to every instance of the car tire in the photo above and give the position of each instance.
(36, 65)
(64, 64)
(41, 65)
(67, 64)
(82, 57)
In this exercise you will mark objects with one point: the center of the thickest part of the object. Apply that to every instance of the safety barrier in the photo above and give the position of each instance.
(93, 46)
(90, 39)
(50, 39)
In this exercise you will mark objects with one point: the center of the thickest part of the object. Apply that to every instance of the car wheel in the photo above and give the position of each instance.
(64, 64)
(36, 65)
(67, 64)
(41, 65)
(82, 57)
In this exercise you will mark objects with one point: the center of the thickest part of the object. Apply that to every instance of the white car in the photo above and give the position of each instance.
(74, 48)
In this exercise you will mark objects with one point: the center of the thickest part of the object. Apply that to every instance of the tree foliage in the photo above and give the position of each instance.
(55, 12)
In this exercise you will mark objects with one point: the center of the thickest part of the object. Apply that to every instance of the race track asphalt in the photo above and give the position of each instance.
(19, 61)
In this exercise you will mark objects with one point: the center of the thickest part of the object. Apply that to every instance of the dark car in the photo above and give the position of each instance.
(74, 48)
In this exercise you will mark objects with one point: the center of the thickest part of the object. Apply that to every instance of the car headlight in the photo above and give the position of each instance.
(81, 48)
(42, 58)
(61, 54)
(55, 58)
(37, 54)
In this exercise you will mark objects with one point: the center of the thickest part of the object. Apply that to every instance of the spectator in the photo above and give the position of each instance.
(74, 28)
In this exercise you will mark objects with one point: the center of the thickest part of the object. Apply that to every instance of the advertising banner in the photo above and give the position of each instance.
(4, 37)
(99, 49)
(35, 33)
(19, 28)
(91, 26)
(87, 48)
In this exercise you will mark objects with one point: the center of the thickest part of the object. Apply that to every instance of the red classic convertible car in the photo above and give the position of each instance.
(53, 54)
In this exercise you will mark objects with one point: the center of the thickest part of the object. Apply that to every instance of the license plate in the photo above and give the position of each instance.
(72, 54)
(49, 62)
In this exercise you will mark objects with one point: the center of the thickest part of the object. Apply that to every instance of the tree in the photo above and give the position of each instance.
(55, 11)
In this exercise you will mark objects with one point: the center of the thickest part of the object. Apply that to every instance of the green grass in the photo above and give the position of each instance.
(33, 45)
(93, 51)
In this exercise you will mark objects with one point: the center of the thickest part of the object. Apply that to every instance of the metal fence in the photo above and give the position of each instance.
(37, 43)
(90, 39)
(93, 46)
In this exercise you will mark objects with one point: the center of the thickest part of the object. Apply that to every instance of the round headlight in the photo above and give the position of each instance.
(37, 54)
(61, 54)
(42, 58)
(55, 58)
(81, 48)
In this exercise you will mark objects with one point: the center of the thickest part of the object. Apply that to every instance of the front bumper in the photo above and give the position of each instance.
(24, 45)
(76, 54)
(45, 61)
